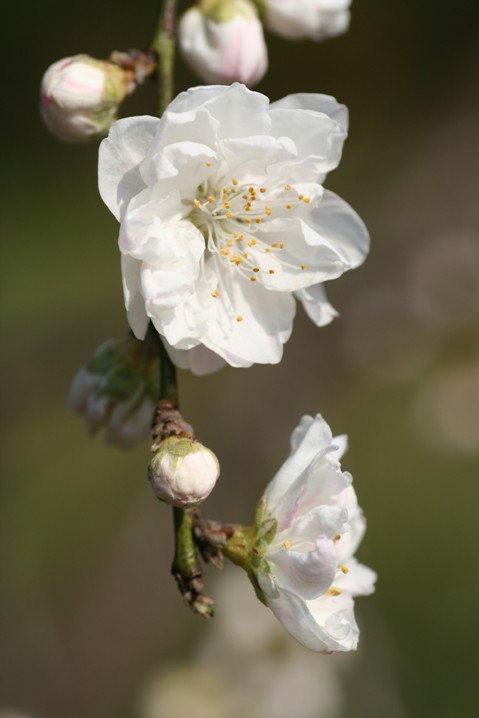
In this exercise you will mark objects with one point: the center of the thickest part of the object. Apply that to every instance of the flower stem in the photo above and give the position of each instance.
(164, 45)
(168, 382)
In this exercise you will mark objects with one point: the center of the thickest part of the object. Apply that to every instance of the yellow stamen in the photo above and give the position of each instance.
(226, 205)
(300, 196)
(337, 537)
(307, 200)
(303, 266)
(275, 244)
(247, 220)
(230, 242)
(252, 279)
(255, 269)
(235, 181)
(281, 245)
(225, 252)
(211, 199)
(287, 544)
(197, 203)
(229, 215)
(258, 220)
(245, 255)
(271, 271)
(215, 293)
(342, 568)
(262, 189)
(239, 318)
(287, 186)
(332, 591)
(288, 206)
(207, 163)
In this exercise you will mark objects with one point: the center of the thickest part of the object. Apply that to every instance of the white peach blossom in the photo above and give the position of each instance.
(224, 220)
(309, 576)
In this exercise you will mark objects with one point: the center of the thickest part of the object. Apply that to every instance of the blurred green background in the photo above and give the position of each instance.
(87, 607)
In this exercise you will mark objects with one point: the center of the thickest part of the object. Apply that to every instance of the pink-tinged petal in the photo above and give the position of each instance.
(120, 155)
(311, 438)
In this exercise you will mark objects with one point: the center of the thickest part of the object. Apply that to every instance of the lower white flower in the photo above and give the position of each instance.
(309, 576)
(224, 220)
(307, 19)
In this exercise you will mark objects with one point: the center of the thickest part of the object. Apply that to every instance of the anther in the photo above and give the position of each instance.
(255, 269)
(239, 318)
(287, 186)
(235, 181)
(215, 293)
(252, 279)
(281, 245)
(307, 200)
(288, 206)
(287, 544)
(337, 537)
(197, 203)
(271, 271)
(262, 189)
(225, 252)
(258, 220)
(275, 244)
(303, 266)
(342, 568)
(229, 215)
(332, 591)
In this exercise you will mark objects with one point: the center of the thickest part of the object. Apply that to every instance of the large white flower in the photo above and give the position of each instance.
(224, 219)
(310, 577)
(307, 19)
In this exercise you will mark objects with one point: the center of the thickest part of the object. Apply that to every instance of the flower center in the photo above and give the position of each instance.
(231, 220)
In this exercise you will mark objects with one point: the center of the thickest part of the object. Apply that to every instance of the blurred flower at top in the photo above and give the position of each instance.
(307, 19)
(222, 42)
(117, 389)
(246, 665)
(80, 97)
(446, 410)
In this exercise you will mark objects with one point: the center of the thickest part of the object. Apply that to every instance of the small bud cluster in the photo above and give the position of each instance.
(117, 390)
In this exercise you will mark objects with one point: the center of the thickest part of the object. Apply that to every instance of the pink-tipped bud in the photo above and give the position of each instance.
(80, 97)
(222, 42)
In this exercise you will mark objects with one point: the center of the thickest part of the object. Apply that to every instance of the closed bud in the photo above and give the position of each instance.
(183, 472)
(222, 42)
(80, 97)
(307, 19)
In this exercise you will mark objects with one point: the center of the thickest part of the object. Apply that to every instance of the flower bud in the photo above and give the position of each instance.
(116, 390)
(80, 97)
(183, 472)
(222, 42)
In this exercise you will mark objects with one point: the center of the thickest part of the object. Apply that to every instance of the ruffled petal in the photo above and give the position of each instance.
(120, 155)
(199, 360)
(134, 302)
(341, 228)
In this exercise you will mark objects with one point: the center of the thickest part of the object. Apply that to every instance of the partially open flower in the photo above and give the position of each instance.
(183, 472)
(80, 97)
(308, 575)
(307, 19)
(222, 42)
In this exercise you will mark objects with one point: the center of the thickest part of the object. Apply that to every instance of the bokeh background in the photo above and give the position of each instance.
(87, 609)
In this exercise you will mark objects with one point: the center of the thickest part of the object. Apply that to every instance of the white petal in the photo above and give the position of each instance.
(198, 360)
(311, 438)
(324, 624)
(239, 112)
(316, 305)
(340, 227)
(134, 302)
(326, 104)
(245, 324)
(120, 154)
(320, 521)
(306, 573)
(318, 138)
(358, 581)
